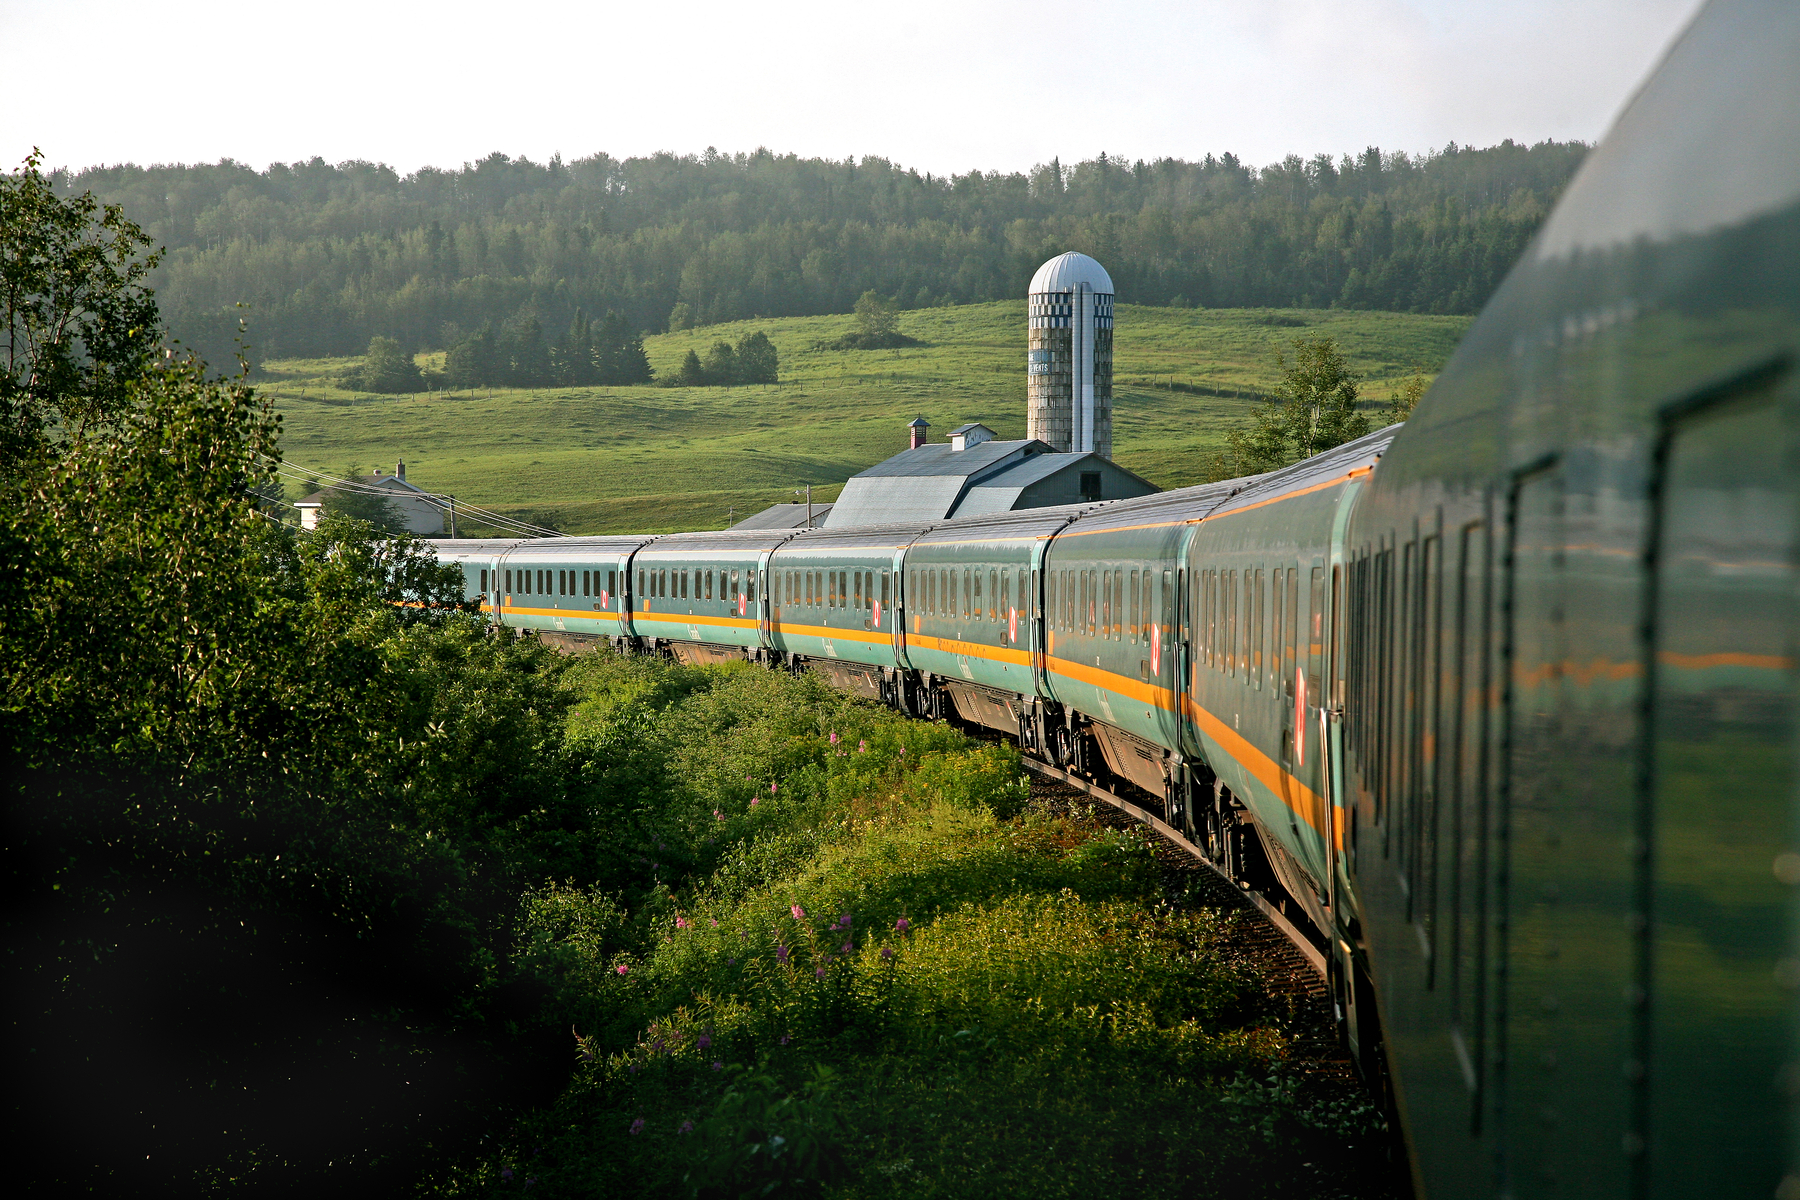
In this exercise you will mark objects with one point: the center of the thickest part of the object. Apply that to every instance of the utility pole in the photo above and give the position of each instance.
(808, 493)
(453, 516)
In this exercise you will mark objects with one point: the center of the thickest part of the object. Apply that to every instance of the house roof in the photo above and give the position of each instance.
(924, 483)
(937, 458)
(390, 482)
(968, 427)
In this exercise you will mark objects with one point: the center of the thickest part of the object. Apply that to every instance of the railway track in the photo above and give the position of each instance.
(1302, 944)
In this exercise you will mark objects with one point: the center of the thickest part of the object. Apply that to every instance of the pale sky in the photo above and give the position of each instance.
(941, 85)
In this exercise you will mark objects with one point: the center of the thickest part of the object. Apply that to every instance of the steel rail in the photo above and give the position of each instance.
(1284, 926)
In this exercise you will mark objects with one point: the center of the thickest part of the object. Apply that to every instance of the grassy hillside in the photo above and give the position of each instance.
(592, 460)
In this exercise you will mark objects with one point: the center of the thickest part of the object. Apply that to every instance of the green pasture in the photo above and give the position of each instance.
(591, 460)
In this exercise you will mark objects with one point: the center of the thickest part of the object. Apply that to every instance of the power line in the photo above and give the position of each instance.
(294, 471)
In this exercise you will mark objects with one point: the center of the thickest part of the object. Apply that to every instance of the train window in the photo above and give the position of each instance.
(1293, 620)
(1278, 622)
(507, 576)
(1082, 609)
(1118, 599)
(484, 583)
(732, 595)
(884, 589)
(1315, 635)
(750, 588)
(609, 593)
(1167, 612)
(1257, 643)
(1131, 627)
(1005, 599)
(1092, 591)
(1233, 652)
(976, 573)
(858, 584)
(641, 589)
(1203, 618)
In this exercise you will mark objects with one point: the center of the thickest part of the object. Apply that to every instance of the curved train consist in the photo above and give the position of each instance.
(1502, 701)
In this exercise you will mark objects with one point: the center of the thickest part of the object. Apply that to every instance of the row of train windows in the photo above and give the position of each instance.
(1115, 603)
(661, 582)
(551, 582)
(953, 592)
(832, 589)
(1247, 622)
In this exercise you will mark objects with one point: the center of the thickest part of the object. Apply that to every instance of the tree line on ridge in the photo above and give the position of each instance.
(326, 257)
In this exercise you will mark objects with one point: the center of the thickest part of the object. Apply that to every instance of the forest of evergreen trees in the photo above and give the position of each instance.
(328, 257)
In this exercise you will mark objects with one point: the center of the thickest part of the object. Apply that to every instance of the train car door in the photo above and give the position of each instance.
(1713, 1064)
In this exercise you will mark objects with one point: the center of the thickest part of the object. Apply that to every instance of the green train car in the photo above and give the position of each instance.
(1568, 662)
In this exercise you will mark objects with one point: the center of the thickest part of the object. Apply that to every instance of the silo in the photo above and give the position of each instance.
(1069, 355)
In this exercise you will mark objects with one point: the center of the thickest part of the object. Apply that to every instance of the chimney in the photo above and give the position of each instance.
(918, 428)
(400, 470)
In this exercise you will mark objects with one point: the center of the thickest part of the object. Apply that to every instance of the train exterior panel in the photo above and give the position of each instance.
(704, 593)
(973, 610)
(1260, 568)
(564, 585)
(1112, 586)
(836, 600)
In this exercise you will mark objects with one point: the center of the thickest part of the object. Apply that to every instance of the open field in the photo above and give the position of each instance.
(590, 460)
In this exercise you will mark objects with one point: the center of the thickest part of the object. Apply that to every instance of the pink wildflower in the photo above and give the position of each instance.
(623, 968)
(717, 815)
(773, 787)
(637, 1126)
(820, 972)
(683, 923)
(799, 913)
(902, 925)
(753, 801)
(887, 952)
(834, 739)
(846, 948)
